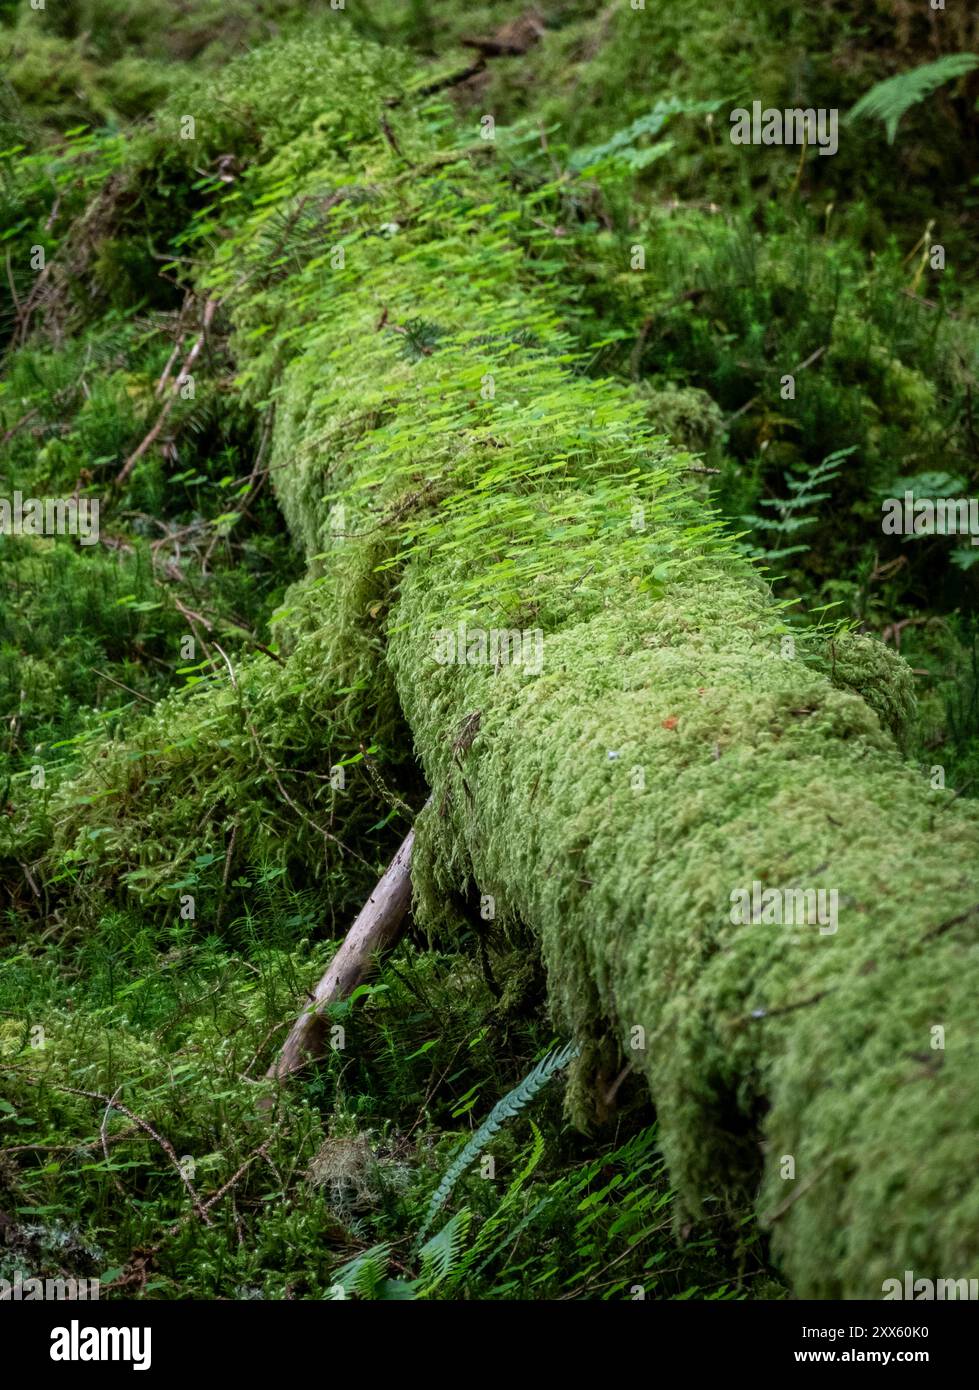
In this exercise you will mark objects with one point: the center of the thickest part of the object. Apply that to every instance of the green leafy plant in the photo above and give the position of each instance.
(624, 147)
(511, 1104)
(888, 101)
(795, 512)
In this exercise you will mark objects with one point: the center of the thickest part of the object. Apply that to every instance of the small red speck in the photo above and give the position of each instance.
(670, 723)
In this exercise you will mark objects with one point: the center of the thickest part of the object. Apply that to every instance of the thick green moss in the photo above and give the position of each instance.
(767, 774)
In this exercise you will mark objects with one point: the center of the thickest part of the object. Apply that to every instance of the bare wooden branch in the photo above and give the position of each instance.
(377, 929)
(189, 361)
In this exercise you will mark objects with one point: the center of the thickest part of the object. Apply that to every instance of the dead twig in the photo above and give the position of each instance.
(105, 676)
(813, 357)
(113, 1103)
(104, 1137)
(378, 927)
(182, 376)
(19, 425)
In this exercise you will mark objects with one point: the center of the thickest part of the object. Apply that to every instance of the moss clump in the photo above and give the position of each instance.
(859, 663)
(692, 419)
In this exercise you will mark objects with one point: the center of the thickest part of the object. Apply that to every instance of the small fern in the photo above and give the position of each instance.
(511, 1104)
(367, 1277)
(889, 100)
(623, 145)
(441, 1255)
(497, 1224)
(364, 1276)
(794, 511)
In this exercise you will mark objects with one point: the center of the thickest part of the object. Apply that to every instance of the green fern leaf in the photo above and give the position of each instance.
(440, 1255)
(889, 100)
(511, 1104)
(622, 145)
(365, 1275)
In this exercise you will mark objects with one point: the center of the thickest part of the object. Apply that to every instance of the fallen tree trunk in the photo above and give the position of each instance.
(623, 750)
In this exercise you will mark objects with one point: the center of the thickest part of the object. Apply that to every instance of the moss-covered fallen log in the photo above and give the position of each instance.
(617, 736)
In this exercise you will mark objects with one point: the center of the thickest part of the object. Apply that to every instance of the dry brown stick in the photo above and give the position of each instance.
(377, 929)
(165, 374)
(246, 1074)
(452, 80)
(164, 1143)
(24, 316)
(105, 676)
(189, 361)
(70, 1148)
(180, 336)
(24, 419)
(813, 357)
(260, 1152)
(104, 1136)
(193, 618)
(138, 452)
(148, 1254)
(13, 289)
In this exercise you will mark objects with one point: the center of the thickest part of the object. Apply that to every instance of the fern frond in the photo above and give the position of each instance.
(364, 1275)
(510, 1237)
(889, 100)
(440, 1255)
(622, 145)
(794, 512)
(511, 1104)
(536, 1154)
(499, 1217)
